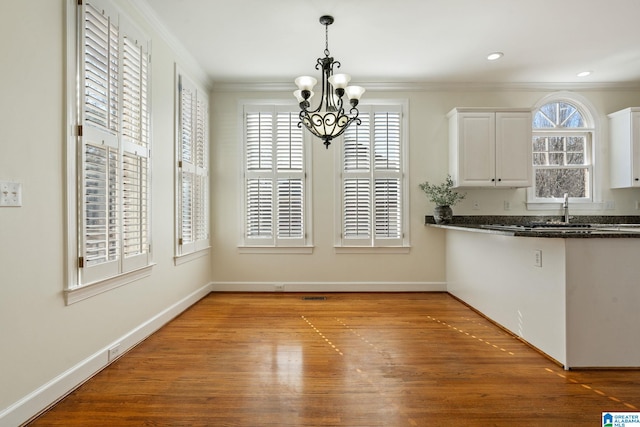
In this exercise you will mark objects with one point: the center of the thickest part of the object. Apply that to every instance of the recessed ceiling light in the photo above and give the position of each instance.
(495, 55)
(584, 73)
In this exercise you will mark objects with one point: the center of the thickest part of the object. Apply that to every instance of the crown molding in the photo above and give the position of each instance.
(435, 86)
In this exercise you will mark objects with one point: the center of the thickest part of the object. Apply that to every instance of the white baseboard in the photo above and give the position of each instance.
(328, 286)
(49, 393)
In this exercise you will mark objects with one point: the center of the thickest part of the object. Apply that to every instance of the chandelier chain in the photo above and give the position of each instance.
(326, 39)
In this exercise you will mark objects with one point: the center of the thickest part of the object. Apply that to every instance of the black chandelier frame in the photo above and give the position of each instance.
(329, 119)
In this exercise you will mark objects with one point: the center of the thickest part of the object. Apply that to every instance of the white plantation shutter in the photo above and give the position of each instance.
(187, 99)
(135, 156)
(357, 145)
(275, 178)
(357, 209)
(259, 141)
(259, 216)
(135, 116)
(187, 233)
(101, 67)
(201, 205)
(201, 210)
(386, 137)
(260, 208)
(134, 206)
(290, 177)
(290, 149)
(388, 220)
(372, 179)
(101, 214)
(100, 223)
(356, 226)
(114, 117)
(193, 175)
(290, 208)
(387, 176)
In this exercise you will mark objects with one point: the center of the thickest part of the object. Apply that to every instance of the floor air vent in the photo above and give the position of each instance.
(314, 298)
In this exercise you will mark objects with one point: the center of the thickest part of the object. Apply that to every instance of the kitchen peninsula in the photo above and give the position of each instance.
(573, 295)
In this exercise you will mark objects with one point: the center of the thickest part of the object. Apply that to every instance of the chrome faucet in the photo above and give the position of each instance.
(565, 206)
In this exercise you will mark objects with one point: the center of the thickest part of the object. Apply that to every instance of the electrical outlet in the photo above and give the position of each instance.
(279, 288)
(507, 205)
(609, 205)
(637, 204)
(537, 262)
(10, 193)
(113, 353)
(476, 205)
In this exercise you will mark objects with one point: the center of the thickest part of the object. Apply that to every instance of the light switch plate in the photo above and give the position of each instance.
(10, 193)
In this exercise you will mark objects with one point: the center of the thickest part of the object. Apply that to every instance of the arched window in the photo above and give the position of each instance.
(562, 151)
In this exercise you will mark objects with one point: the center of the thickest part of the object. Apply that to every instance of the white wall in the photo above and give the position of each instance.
(602, 303)
(41, 337)
(424, 265)
(496, 275)
(323, 266)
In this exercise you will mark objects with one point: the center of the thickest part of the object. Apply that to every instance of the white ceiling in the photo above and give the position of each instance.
(417, 41)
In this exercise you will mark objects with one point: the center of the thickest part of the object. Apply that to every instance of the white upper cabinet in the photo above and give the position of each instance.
(490, 147)
(624, 142)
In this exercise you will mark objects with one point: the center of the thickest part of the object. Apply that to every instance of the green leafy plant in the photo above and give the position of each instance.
(442, 194)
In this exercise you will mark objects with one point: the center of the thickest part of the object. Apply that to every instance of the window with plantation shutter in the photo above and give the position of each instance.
(192, 174)
(114, 145)
(275, 178)
(372, 170)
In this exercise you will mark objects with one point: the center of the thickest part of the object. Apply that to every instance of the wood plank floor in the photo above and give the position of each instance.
(354, 359)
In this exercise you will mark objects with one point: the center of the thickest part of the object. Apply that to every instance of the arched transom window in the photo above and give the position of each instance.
(562, 161)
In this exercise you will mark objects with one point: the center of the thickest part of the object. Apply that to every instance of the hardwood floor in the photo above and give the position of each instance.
(405, 359)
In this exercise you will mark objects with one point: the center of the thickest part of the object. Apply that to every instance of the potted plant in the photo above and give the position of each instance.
(444, 196)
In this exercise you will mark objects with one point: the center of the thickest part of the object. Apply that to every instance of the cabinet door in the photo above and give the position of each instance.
(513, 149)
(624, 148)
(476, 149)
(635, 149)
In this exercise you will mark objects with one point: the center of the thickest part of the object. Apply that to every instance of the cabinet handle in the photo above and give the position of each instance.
(499, 179)
(493, 179)
(637, 179)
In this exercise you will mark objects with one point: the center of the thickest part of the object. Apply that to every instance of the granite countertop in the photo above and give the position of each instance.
(546, 226)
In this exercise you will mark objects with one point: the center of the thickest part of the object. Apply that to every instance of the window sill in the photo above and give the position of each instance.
(275, 249)
(372, 249)
(182, 259)
(80, 293)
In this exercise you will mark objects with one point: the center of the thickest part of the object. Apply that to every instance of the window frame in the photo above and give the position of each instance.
(591, 132)
(371, 244)
(197, 133)
(273, 244)
(132, 142)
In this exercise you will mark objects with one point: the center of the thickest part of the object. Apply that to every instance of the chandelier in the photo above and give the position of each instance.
(329, 119)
